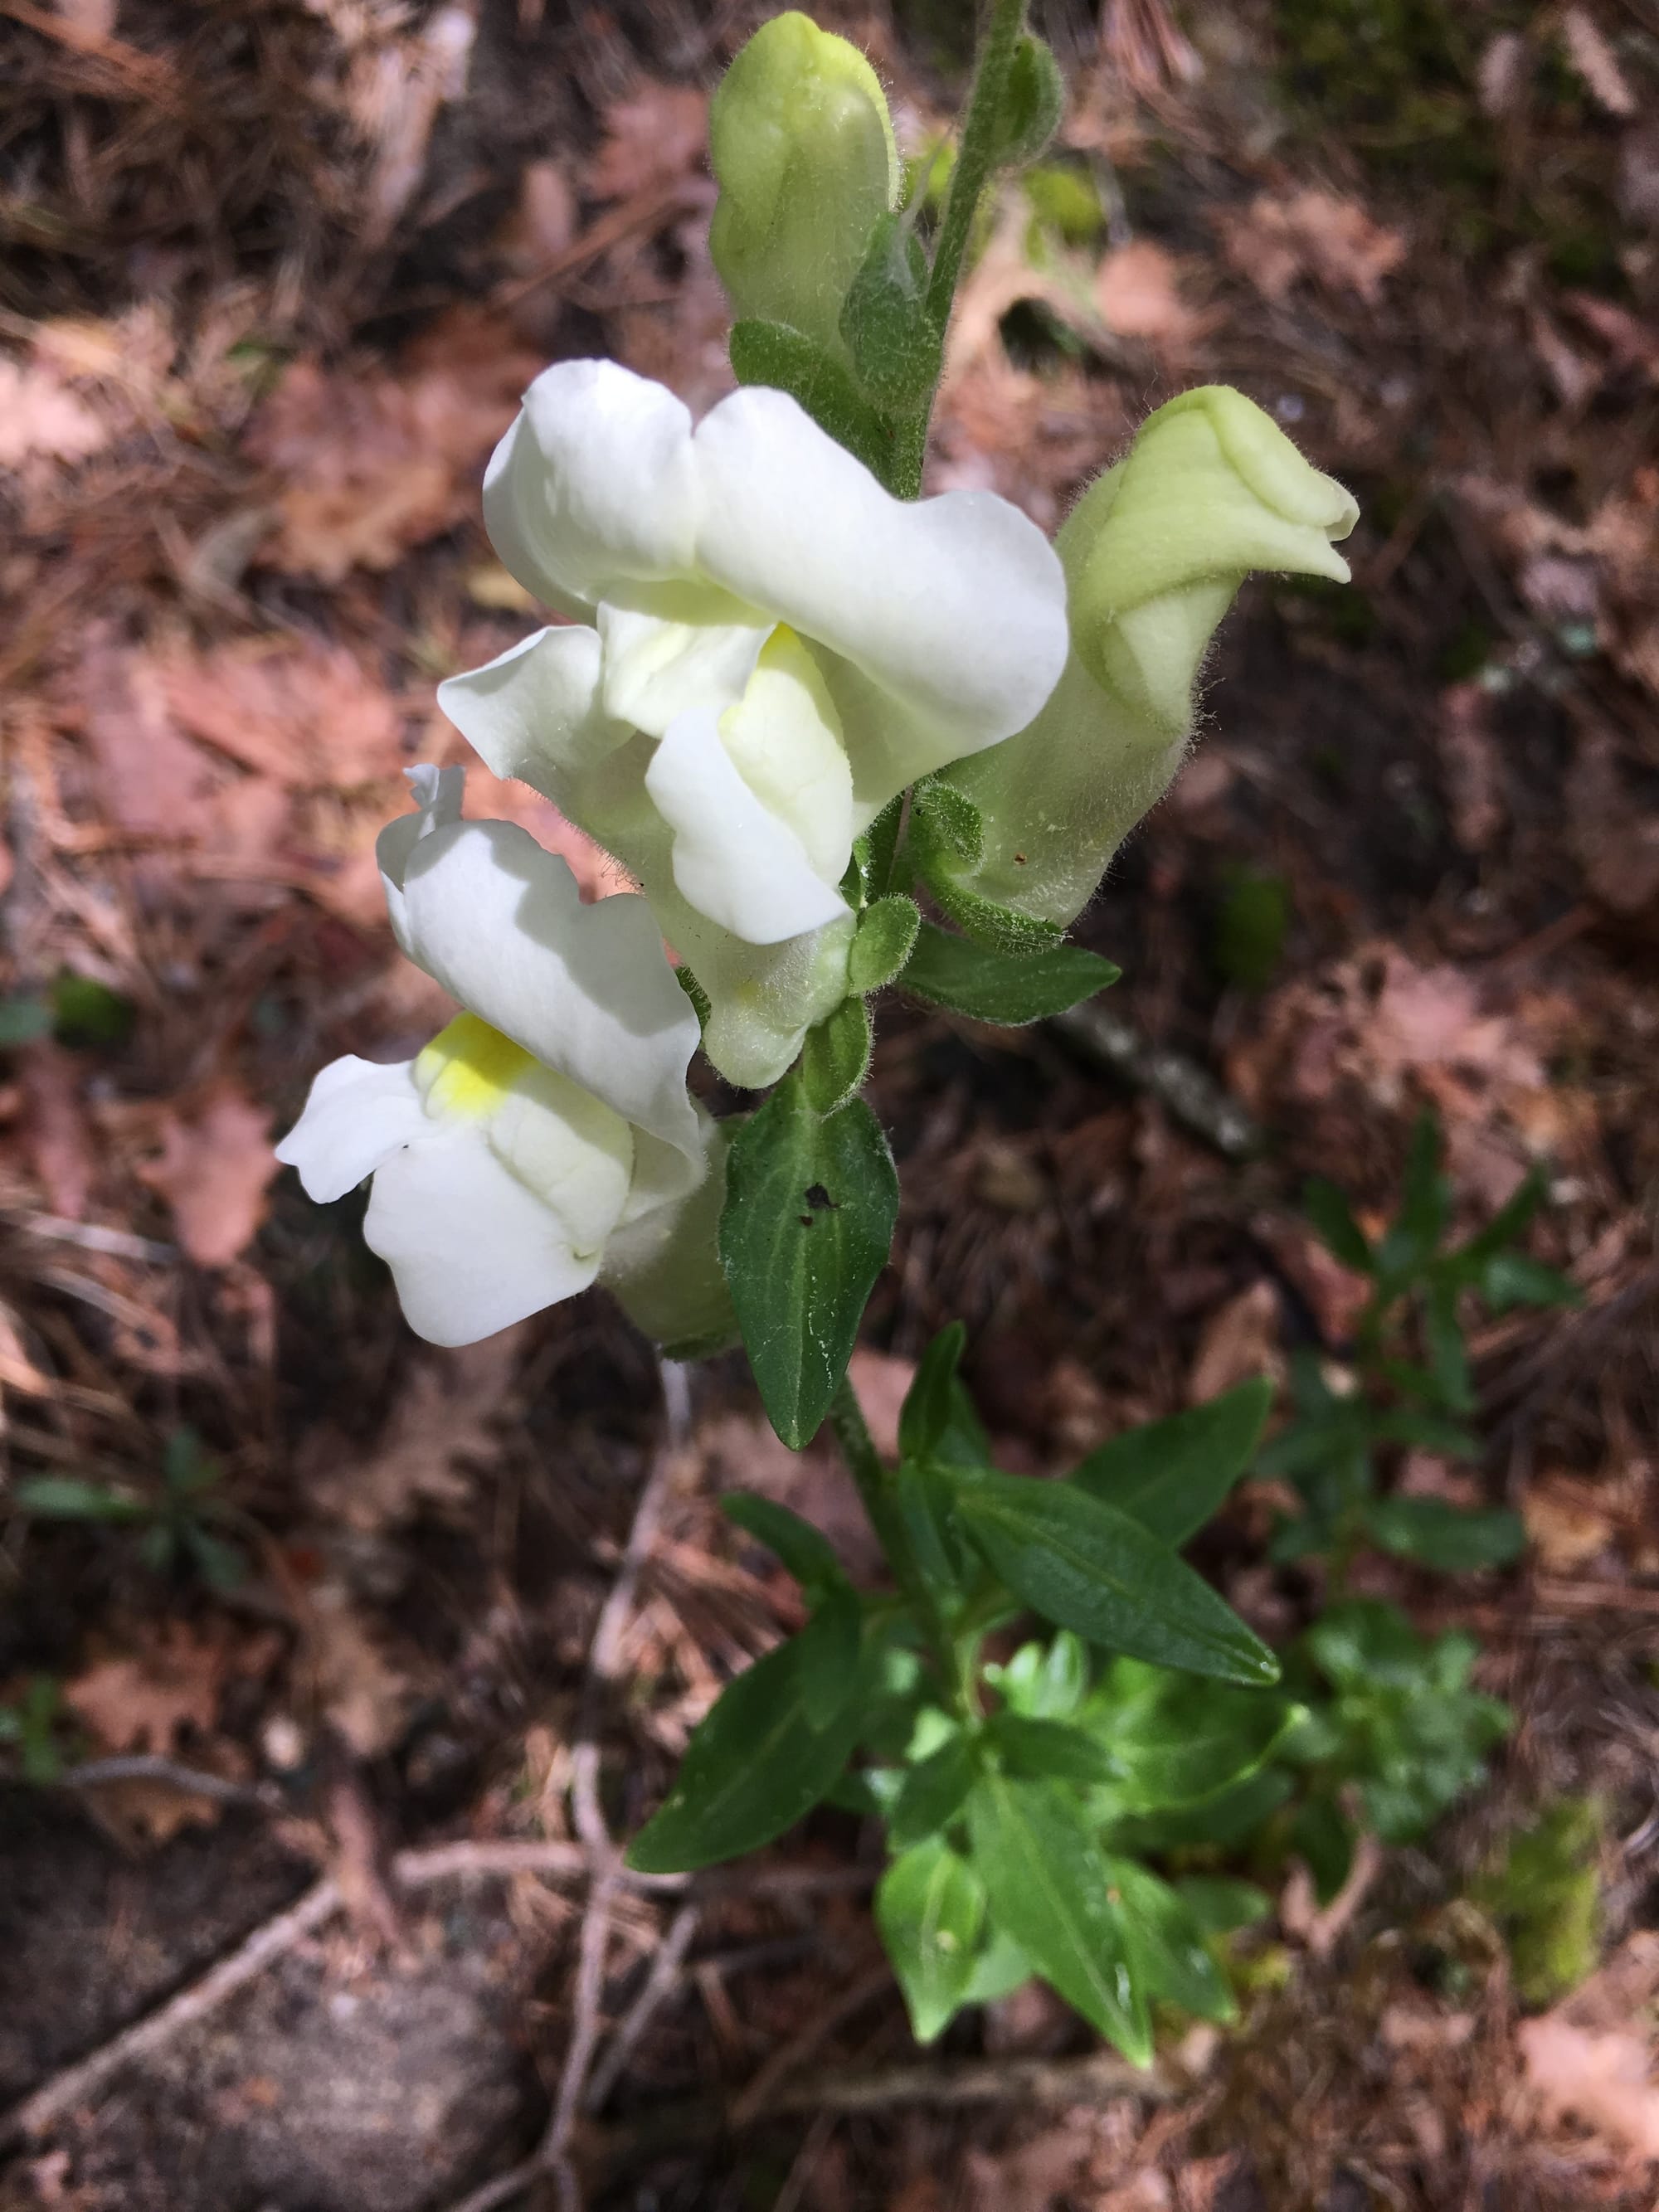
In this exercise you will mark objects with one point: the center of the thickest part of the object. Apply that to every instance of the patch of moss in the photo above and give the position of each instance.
(1544, 1893)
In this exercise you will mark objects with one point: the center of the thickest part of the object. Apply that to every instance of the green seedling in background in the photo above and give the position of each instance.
(177, 1530)
(29, 1723)
(1544, 1893)
(1407, 1382)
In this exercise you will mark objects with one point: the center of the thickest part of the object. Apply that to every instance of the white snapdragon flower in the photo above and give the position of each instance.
(769, 647)
(545, 1138)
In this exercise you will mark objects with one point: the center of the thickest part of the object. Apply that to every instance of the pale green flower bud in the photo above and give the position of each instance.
(1153, 553)
(802, 145)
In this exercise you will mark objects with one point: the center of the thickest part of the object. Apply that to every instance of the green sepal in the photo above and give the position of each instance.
(886, 938)
(896, 347)
(788, 360)
(835, 1057)
(946, 838)
(1033, 103)
(694, 991)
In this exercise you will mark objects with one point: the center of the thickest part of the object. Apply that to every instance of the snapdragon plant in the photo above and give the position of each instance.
(799, 703)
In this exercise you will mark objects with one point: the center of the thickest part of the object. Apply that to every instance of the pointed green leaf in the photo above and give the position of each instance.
(932, 1791)
(1438, 1534)
(1088, 1567)
(886, 938)
(1010, 988)
(828, 1649)
(66, 1498)
(930, 1906)
(1171, 1475)
(1332, 1220)
(1511, 1278)
(754, 1767)
(805, 1551)
(1174, 1741)
(1220, 1904)
(930, 1403)
(810, 1208)
(1000, 1969)
(1046, 1881)
(1035, 1747)
(1171, 1955)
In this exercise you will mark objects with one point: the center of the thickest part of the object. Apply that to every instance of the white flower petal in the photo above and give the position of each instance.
(470, 1250)
(784, 736)
(357, 1114)
(585, 989)
(592, 487)
(734, 860)
(957, 604)
(692, 654)
(535, 712)
(571, 1150)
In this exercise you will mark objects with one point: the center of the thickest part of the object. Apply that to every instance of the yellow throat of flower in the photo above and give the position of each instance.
(468, 1069)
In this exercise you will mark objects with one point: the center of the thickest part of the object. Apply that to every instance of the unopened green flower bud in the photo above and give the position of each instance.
(1033, 102)
(802, 146)
(1153, 552)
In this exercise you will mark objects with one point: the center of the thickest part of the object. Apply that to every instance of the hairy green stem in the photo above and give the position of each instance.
(977, 157)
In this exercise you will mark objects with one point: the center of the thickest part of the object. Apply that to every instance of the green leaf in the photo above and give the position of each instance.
(1425, 1203)
(1000, 1969)
(1006, 988)
(788, 360)
(1511, 1278)
(754, 1767)
(808, 1223)
(828, 1648)
(1044, 1682)
(1048, 1885)
(805, 1551)
(1506, 1226)
(1168, 1945)
(1171, 1475)
(930, 1402)
(1333, 1224)
(66, 1497)
(1224, 1823)
(1037, 1747)
(1033, 102)
(835, 1057)
(1088, 1567)
(896, 347)
(1438, 1534)
(930, 1906)
(1176, 1742)
(886, 937)
(1220, 1905)
(926, 1503)
(87, 1014)
(1448, 1357)
(1323, 1834)
(933, 1791)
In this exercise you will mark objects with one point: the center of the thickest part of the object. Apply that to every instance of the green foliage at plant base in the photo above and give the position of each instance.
(1545, 1895)
(179, 1528)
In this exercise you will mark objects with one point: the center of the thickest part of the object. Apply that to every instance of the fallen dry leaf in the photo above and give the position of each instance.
(360, 1690)
(445, 1418)
(305, 714)
(141, 1700)
(41, 420)
(1604, 2079)
(1615, 838)
(1279, 239)
(655, 137)
(216, 1166)
(1595, 62)
(367, 463)
(1239, 1341)
(1568, 1522)
(880, 1383)
(56, 1135)
(151, 780)
(1137, 289)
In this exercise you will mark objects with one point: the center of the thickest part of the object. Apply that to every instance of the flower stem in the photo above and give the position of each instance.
(977, 157)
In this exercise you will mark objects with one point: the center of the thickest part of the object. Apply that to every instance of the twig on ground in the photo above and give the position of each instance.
(147, 1766)
(77, 2084)
(1098, 2078)
(660, 1983)
(1191, 1093)
(550, 2160)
